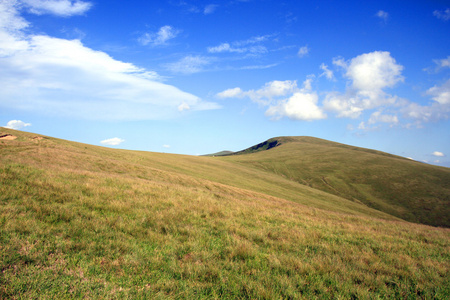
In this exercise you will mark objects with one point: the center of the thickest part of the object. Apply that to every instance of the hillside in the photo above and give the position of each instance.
(410, 190)
(81, 221)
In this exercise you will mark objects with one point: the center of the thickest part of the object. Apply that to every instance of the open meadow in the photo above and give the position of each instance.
(81, 221)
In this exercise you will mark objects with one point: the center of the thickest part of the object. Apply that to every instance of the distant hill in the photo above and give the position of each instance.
(221, 153)
(396, 185)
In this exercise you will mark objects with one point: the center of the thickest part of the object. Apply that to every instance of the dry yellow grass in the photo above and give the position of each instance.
(79, 221)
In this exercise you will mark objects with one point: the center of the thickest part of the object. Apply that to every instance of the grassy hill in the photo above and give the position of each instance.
(80, 221)
(410, 190)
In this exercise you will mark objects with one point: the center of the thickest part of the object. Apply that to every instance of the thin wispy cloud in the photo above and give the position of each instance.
(209, 9)
(62, 8)
(442, 14)
(189, 64)
(59, 77)
(253, 45)
(442, 63)
(326, 72)
(382, 15)
(159, 38)
(303, 51)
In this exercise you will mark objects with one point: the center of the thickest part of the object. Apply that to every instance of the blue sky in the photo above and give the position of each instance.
(197, 77)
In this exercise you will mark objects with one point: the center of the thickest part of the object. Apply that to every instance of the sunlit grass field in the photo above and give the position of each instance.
(408, 189)
(79, 221)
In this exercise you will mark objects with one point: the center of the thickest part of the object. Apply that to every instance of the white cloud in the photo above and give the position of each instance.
(10, 18)
(346, 106)
(251, 46)
(226, 47)
(161, 37)
(189, 64)
(374, 71)
(382, 15)
(258, 67)
(326, 72)
(283, 98)
(441, 94)
(112, 142)
(266, 94)
(63, 8)
(231, 93)
(377, 117)
(63, 77)
(438, 154)
(17, 124)
(340, 62)
(370, 74)
(437, 110)
(303, 51)
(418, 112)
(442, 14)
(183, 106)
(209, 9)
(166, 146)
(300, 106)
(272, 90)
(442, 63)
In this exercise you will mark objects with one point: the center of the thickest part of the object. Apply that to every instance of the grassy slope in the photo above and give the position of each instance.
(401, 187)
(82, 221)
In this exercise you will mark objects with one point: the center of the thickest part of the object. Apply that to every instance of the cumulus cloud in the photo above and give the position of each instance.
(382, 15)
(17, 124)
(272, 90)
(112, 142)
(189, 64)
(65, 78)
(369, 75)
(231, 93)
(345, 105)
(284, 99)
(303, 51)
(374, 71)
(161, 37)
(300, 106)
(63, 8)
(442, 14)
(438, 154)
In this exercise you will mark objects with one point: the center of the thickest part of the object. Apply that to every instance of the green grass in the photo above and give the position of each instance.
(79, 221)
(407, 189)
